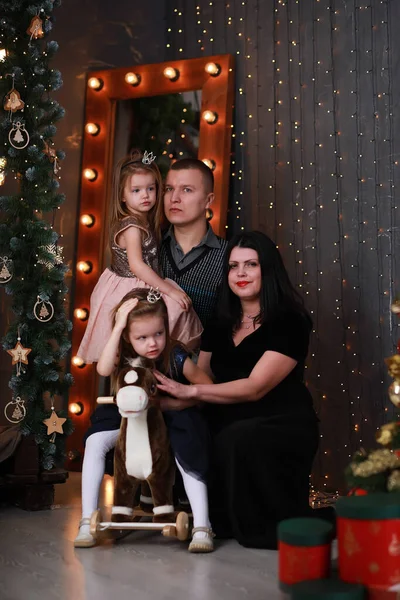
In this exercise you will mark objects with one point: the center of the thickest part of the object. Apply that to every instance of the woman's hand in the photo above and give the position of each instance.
(175, 389)
(121, 316)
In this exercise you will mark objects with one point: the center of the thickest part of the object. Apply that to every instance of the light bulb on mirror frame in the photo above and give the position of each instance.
(88, 220)
(75, 408)
(133, 79)
(171, 73)
(95, 83)
(210, 163)
(85, 266)
(92, 128)
(210, 117)
(81, 313)
(78, 362)
(213, 69)
(90, 174)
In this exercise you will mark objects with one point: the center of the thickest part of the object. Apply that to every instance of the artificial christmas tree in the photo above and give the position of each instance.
(32, 271)
(379, 470)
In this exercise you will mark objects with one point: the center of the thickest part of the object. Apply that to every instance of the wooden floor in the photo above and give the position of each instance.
(38, 561)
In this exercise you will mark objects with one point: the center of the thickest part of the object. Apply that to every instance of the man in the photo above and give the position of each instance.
(191, 253)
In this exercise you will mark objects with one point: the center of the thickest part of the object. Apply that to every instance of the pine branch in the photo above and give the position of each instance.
(27, 240)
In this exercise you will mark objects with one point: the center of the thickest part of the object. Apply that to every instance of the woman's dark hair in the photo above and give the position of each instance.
(277, 294)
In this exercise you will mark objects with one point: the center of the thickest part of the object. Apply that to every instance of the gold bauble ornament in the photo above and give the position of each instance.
(393, 483)
(395, 308)
(393, 365)
(385, 434)
(394, 393)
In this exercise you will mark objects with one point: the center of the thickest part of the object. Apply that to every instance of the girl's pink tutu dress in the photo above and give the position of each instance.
(118, 280)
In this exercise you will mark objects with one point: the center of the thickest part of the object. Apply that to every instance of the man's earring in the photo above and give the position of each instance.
(209, 214)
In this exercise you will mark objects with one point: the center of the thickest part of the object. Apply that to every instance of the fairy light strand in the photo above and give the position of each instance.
(392, 261)
(291, 139)
(359, 199)
(315, 311)
(302, 152)
(306, 227)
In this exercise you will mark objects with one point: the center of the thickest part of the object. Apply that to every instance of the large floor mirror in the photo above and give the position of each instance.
(175, 110)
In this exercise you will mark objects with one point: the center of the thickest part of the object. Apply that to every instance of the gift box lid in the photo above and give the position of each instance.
(305, 532)
(373, 506)
(327, 589)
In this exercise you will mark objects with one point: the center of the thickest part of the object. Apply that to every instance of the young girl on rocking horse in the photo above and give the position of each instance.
(141, 329)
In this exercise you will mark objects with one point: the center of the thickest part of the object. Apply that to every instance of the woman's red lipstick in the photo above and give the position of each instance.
(242, 283)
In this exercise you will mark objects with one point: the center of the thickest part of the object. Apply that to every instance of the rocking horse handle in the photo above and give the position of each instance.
(105, 400)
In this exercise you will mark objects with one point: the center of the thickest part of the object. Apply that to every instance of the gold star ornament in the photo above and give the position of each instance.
(54, 423)
(19, 354)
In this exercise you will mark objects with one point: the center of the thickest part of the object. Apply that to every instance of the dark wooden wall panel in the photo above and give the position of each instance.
(315, 168)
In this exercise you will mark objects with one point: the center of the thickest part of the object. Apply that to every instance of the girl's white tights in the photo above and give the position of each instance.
(197, 495)
(97, 446)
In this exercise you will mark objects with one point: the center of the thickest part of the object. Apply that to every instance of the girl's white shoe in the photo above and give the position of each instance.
(202, 540)
(84, 539)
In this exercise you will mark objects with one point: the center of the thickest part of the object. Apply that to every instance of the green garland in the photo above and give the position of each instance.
(27, 239)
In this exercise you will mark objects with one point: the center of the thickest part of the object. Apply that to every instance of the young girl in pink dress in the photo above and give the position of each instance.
(135, 233)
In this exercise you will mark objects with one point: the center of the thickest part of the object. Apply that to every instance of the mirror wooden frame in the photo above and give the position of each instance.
(104, 89)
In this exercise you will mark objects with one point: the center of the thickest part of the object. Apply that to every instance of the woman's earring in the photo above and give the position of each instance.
(209, 214)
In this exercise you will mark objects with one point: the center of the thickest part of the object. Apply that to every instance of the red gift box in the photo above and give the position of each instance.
(369, 540)
(304, 550)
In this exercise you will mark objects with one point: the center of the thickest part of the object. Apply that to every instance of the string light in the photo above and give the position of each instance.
(213, 69)
(88, 220)
(76, 408)
(95, 83)
(171, 73)
(133, 79)
(90, 174)
(210, 163)
(84, 266)
(303, 121)
(78, 362)
(92, 128)
(81, 313)
(210, 117)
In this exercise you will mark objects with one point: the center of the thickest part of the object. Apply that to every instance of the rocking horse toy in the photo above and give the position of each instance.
(142, 456)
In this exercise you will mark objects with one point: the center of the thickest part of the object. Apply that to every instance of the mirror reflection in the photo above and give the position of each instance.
(167, 125)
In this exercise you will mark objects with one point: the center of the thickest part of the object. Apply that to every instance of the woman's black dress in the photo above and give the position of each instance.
(262, 451)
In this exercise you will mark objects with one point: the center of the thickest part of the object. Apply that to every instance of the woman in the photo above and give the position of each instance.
(265, 430)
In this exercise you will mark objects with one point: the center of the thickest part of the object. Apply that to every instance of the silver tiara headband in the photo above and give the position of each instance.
(153, 296)
(148, 158)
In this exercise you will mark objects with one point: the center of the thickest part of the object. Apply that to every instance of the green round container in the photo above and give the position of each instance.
(379, 506)
(327, 589)
(305, 532)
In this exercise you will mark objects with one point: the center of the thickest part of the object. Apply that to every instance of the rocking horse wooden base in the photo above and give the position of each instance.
(179, 529)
